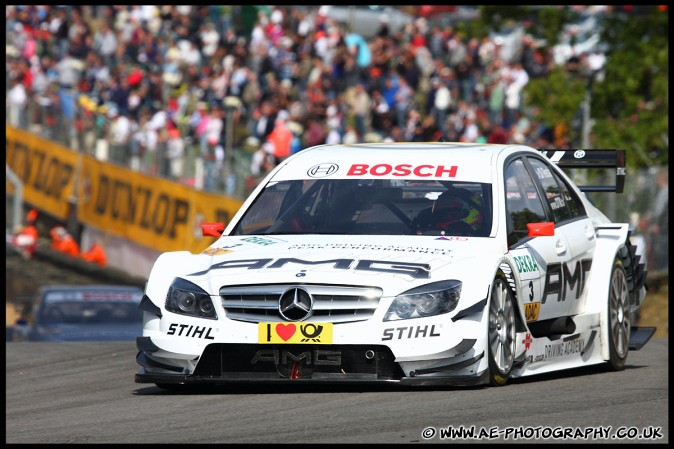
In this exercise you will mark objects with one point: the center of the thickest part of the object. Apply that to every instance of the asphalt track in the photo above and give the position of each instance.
(85, 393)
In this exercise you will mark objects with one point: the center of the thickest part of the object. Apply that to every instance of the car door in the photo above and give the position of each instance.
(572, 222)
(538, 260)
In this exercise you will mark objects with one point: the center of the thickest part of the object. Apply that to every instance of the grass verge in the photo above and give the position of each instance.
(655, 310)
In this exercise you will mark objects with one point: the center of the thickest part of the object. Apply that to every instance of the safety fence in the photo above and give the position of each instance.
(89, 132)
(89, 129)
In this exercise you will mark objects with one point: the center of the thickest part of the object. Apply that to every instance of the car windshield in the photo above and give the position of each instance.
(77, 312)
(370, 207)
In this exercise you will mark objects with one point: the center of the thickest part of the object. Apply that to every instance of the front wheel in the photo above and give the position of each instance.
(618, 317)
(501, 332)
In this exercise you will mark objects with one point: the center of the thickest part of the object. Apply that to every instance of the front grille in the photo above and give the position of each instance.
(224, 361)
(332, 303)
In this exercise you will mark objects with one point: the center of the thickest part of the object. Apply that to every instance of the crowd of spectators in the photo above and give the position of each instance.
(160, 82)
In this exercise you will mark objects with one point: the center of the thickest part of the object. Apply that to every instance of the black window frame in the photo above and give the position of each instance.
(512, 233)
(554, 169)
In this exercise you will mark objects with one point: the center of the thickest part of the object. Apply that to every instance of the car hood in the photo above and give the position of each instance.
(393, 263)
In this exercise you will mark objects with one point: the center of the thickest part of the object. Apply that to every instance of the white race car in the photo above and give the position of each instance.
(410, 263)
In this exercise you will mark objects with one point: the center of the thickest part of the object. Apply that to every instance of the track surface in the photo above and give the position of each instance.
(85, 393)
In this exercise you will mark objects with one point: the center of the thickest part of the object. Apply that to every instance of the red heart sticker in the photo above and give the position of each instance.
(285, 331)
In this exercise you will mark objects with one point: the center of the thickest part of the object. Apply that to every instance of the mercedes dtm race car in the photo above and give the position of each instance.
(410, 263)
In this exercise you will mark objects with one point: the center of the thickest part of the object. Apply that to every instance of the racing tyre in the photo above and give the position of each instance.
(501, 332)
(618, 317)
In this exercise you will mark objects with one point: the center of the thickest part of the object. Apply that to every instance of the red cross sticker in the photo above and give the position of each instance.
(527, 340)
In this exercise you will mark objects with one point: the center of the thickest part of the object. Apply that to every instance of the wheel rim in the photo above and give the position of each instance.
(619, 313)
(502, 328)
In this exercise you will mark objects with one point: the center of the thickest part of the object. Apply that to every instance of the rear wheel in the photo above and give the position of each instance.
(618, 317)
(501, 332)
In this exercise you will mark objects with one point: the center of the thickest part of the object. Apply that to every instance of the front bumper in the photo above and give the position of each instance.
(222, 364)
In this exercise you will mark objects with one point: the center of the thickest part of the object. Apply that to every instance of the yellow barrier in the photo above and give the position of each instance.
(46, 169)
(147, 210)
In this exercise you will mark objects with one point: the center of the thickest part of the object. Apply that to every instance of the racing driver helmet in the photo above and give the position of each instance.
(456, 209)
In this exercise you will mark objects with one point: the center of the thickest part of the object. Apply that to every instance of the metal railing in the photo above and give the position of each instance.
(14, 203)
(90, 131)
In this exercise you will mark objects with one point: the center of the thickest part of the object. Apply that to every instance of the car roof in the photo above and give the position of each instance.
(89, 287)
(89, 292)
(460, 161)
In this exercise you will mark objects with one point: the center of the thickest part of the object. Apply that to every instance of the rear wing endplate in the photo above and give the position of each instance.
(573, 158)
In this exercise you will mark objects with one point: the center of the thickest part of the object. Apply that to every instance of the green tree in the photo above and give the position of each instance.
(557, 97)
(544, 22)
(629, 96)
(631, 106)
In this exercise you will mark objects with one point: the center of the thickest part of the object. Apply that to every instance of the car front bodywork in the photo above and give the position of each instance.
(330, 272)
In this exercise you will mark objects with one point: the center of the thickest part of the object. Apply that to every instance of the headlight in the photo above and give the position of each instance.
(186, 298)
(428, 300)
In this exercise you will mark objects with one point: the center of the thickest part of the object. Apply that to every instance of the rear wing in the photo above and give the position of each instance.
(574, 158)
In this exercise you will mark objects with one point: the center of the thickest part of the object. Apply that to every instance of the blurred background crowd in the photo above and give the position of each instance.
(215, 96)
(156, 84)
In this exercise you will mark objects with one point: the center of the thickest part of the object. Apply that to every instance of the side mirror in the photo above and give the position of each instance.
(543, 229)
(212, 229)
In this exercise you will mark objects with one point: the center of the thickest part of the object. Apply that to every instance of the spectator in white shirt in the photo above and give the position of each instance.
(16, 101)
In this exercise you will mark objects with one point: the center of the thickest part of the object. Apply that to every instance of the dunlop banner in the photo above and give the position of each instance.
(47, 170)
(150, 211)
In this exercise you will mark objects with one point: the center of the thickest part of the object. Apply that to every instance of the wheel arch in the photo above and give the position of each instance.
(166, 268)
(505, 270)
(612, 243)
(498, 375)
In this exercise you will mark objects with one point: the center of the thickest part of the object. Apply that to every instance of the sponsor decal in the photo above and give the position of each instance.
(402, 170)
(303, 333)
(372, 247)
(414, 270)
(322, 170)
(526, 264)
(543, 173)
(565, 281)
(531, 311)
(316, 357)
(564, 348)
(453, 238)
(190, 330)
(399, 333)
(216, 251)
(527, 341)
(532, 359)
(579, 154)
(259, 240)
